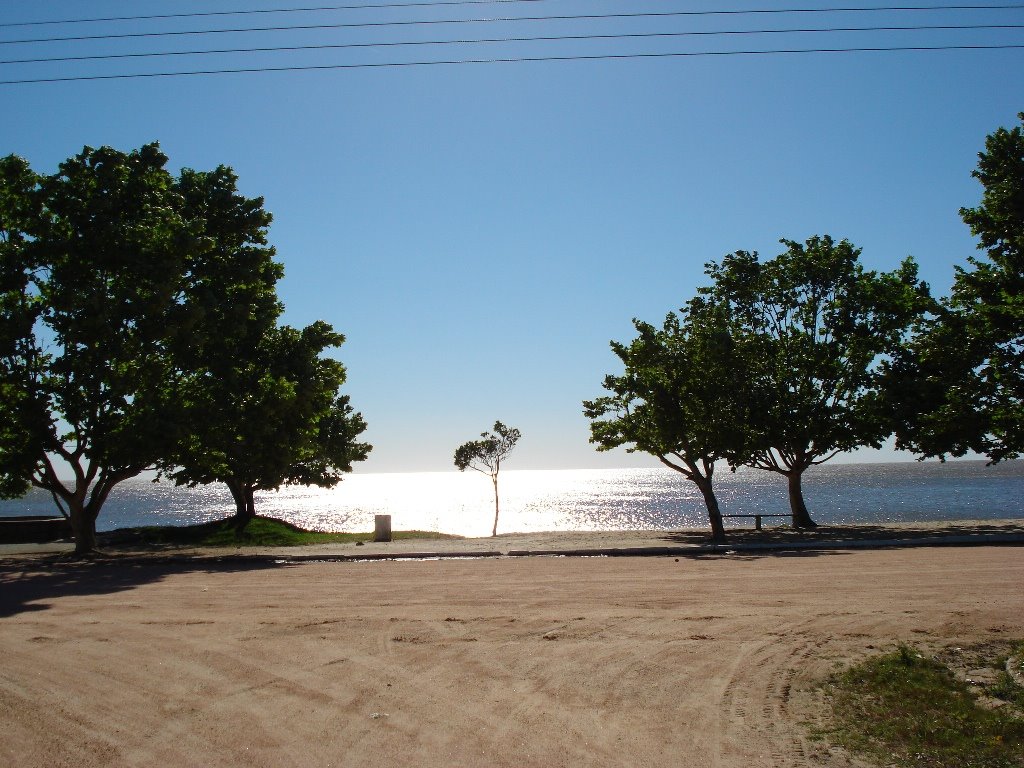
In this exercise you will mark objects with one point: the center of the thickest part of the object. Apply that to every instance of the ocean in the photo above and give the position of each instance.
(584, 499)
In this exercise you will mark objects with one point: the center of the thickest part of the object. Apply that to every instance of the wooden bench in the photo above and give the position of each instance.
(757, 518)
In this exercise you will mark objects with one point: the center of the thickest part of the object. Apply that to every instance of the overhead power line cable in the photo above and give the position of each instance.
(486, 40)
(493, 20)
(249, 12)
(516, 60)
(440, 3)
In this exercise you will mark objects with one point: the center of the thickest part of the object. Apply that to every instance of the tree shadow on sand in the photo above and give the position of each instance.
(747, 555)
(832, 534)
(29, 585)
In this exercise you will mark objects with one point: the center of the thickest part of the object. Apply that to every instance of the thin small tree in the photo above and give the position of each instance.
(486, 454)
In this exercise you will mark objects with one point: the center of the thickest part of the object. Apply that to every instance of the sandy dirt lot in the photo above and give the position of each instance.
(696, 661)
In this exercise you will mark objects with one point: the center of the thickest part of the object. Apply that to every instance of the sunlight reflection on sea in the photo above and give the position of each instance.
(583, 500)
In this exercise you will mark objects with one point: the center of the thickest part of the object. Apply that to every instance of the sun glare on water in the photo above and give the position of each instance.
(530, 500)
(580, 500)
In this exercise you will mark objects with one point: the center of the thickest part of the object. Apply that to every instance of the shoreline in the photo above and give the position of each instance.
(552, 499)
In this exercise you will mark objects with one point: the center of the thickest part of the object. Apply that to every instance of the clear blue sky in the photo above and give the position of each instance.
(480, 232)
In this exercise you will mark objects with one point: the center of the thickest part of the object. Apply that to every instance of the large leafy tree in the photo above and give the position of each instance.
(486, 455)
(960, 386)
(262, 402)
(819, 327)
(270, 418)
(120, 281)
(680, 398)
(100, 264)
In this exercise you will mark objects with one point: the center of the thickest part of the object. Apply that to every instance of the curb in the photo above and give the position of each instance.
(677, 551)
(720, 549)
(690, 551)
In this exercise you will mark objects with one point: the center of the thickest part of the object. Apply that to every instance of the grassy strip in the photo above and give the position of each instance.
(260, 532)
(907, 710)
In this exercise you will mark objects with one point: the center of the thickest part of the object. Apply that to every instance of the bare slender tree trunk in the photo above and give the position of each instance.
(494, 530)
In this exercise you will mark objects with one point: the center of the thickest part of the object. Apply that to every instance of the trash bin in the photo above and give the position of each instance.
(382, 528)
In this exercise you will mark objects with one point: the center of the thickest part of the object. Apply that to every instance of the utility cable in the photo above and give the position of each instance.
(515, 60)
(475, 41)
(198, 14)
(568, 17)
(437, 3)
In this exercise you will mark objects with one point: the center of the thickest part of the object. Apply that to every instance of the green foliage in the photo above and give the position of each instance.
(263, 402)
(261, 532)
(269, 415)
(909, 710)
(817, 324)
(680, 397)
(815, 328)
(18, 313)
(960, 386)
(486, 454)
(1006, 687)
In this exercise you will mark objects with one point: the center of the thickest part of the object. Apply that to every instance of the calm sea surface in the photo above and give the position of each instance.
(586, 500)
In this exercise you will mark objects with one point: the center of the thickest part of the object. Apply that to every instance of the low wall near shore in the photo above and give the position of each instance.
(33, 529)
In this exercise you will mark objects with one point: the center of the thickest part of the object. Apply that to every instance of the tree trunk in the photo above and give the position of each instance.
(83, 515)
(801, 517)
(245, 505)
(83, 506)
(494, 530)
(83, 528)
(714, 514)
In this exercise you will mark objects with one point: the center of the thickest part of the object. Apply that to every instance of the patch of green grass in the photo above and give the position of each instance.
(260, 532)
(1005, 688)
(908, 710)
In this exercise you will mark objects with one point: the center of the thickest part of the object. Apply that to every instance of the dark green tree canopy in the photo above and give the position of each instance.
(960, 386)
(818, 324)
(21, 421)
(998, 222)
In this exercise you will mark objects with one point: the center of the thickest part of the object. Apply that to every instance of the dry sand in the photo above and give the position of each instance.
(696, 661)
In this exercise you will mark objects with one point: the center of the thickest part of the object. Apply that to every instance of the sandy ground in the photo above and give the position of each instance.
(697, 661)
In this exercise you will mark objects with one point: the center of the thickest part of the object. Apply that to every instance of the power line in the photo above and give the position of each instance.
(550, 38)
(350, 25)
(516, 60)
(198, 14)
(437, 3)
